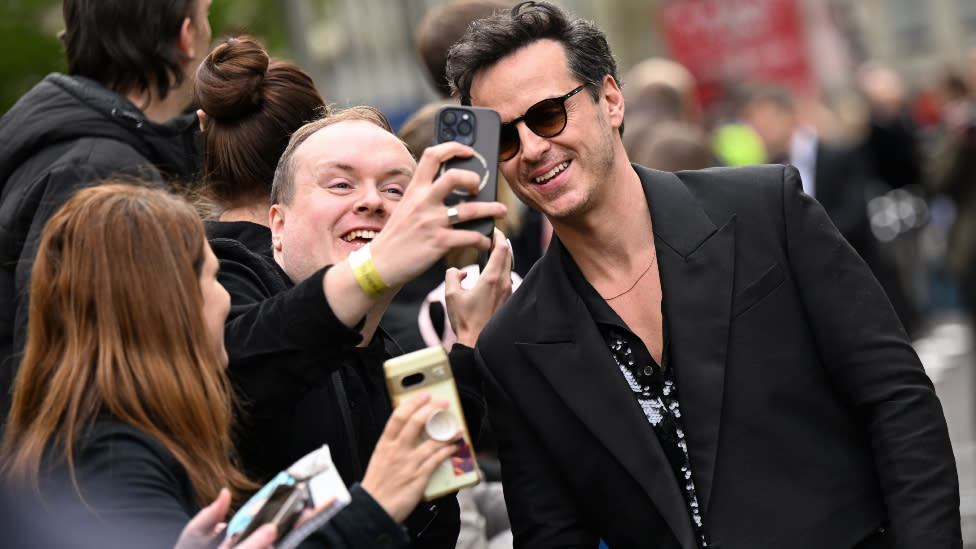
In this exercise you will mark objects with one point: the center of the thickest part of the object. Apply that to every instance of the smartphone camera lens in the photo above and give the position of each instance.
(464, 128)
(447, 134)
(449, 118)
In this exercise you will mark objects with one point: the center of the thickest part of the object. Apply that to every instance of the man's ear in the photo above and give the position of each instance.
(615, 101)
(276, 221)
(186, 38)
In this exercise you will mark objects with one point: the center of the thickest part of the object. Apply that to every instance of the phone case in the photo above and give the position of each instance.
(461, 469)
(481, 133)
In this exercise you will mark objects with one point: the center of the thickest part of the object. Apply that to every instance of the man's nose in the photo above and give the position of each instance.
(370, 200)
(532, 146)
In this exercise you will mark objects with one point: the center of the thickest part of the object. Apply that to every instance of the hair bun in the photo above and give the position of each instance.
(230, 80)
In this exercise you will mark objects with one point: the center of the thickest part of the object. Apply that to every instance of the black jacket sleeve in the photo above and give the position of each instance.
(470, 389)
(362, 523)
(872, 364)
(280, 343)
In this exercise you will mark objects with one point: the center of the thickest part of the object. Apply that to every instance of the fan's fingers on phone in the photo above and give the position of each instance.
(402, 413)
(432, 158)
(500, 259)
(434, 453)
(468, 238)
(464, 181)
(480, 210)
(262, 538)
(418, 421)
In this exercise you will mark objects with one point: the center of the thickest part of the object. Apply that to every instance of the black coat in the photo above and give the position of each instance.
(62, 135)
(305, 382)
(809, 419)
(134, 493)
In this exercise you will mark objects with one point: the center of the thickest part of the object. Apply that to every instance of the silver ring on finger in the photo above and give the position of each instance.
(452, 216)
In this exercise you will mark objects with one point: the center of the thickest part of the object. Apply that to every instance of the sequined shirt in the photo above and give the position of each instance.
(654, 388)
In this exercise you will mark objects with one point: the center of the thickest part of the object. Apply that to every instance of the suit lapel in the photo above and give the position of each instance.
(696, 262)
(570, 352)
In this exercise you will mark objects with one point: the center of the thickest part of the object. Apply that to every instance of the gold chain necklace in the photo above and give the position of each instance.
(634, 285)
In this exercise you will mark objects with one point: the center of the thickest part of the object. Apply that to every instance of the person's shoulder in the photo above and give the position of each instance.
(738, 175)
(739, 188)
(238, 239)
(113, 455)
(244, 270)
(115, 439)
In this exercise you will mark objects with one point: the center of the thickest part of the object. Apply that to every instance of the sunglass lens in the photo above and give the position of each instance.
(546, 118)
(508, 142)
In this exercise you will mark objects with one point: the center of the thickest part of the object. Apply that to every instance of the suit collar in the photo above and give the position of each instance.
(564, 343)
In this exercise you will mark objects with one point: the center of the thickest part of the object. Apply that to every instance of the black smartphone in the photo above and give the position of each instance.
(478, 128)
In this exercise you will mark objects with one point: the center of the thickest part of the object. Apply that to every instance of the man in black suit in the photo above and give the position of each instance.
(700, 359)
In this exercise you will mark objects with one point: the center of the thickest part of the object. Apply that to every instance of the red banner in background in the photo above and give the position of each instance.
(729, 42)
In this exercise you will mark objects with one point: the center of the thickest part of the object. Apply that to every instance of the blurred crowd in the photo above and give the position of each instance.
(888, 160)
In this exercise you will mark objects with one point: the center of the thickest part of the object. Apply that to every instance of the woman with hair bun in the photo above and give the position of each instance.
(250, 105)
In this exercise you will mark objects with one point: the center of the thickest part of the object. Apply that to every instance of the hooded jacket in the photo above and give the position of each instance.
(66, 133)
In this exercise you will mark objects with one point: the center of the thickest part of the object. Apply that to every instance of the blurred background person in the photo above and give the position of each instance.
(662, 89)
(440, 27)
(672, 146)
(952, 174)
(833, 172)
(892, 141)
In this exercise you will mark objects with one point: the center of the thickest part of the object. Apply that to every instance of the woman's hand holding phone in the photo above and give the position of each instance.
(400, 468)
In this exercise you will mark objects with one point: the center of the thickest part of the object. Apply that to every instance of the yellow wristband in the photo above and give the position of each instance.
(363, 269)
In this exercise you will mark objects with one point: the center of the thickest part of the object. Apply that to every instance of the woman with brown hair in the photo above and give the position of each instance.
(250, 104)
(121, 402)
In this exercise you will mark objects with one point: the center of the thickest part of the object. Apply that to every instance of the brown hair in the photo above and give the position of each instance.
(283, 188)
(253, 104)
(127, 45)
(117, 330)
(491, 39)
(441, 27)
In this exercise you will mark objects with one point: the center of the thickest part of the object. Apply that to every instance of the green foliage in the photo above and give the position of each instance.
(260, 18)
(28, 36)
(29, 28)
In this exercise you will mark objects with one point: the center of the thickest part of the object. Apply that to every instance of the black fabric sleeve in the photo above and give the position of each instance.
(470, 389)
(871, 362)
(280, 344)
(362, 523)
(129, 489)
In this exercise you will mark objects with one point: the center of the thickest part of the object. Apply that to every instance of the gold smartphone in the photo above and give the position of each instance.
(429, 370)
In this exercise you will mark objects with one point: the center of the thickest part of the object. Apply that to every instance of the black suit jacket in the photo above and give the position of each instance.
(809, 419)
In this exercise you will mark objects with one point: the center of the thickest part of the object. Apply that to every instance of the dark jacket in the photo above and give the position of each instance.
(809, 419)
(64, 134)
(304, 381)
(135, 493)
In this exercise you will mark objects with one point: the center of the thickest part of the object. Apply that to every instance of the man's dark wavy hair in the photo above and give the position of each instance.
(126, 45)
(490, 39)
